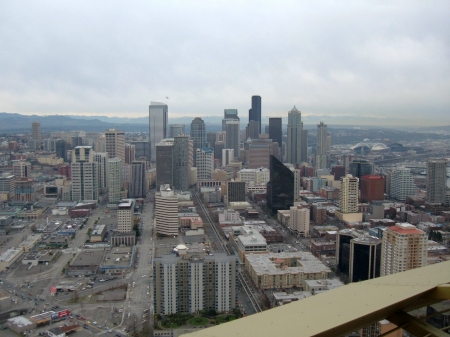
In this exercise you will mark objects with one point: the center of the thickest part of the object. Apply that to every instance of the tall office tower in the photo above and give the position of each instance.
(182, 162)
(138, 187)
(276, 130)
(204, 163)
(236, 191)
(372, 188)
(158, 119)
(360, 167)
(304, 146)
(211, 139)
(84, 174)
(254, 114)
(229, 115)
(338, 171)
(125, 215)
(36, 131)
(7, 185)
(76, 141)
(259, 152)
(280, 188)
(166, 211)
(164, 162)
(101, 158)
(322, 148)
(130, 153)
(115, 143)
(142, 150)
(294, 137)
(436, 180)
(227, 156)
(176, 130)
(404, 247)
(61, 149)
(191, 282)
(232, 136)
(198, 134)
(328, 142)
(115, 180)
(299, 220)
(252, 130)
(49, 145)
(126, 177)
(21, 168)
(402, 184)
(219, 144)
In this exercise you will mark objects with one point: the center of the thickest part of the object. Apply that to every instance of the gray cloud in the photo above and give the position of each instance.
(370, 58)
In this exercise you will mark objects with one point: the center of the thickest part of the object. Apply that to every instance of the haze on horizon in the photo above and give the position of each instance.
(376, 58)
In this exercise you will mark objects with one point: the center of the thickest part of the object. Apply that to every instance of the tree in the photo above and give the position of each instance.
(33, 228)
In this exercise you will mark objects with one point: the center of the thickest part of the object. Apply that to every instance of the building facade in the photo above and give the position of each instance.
(322, 147)
(294, 137)
(115, 180)
(158, 123)
(436, 180)
(166, 212)
(84, 172)
(125, 215)
(115, 143)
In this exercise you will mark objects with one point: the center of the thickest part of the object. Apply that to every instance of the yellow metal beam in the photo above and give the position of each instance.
(345, 309)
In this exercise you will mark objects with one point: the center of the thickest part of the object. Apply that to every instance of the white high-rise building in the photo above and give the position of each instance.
(404, 247)
(158, 125)
(348, 194)
(227, 156)
(115, 179)
(402, 184)
(115, 143)
(84, 174)
(299, 220)
(205, 163)
(166, 212)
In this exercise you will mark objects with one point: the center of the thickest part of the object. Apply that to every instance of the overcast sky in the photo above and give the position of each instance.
(362, 58)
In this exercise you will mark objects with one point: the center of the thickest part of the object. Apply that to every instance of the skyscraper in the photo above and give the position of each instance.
(204, 163)
(280, 188)
(232, 136)
(21, 168)
(115, 180)
(164, 162)
(252, 130)
(276, 130)
(36, 136)
(182, 162)
(198, 133)
(166, 211)
(61, 149)
(402, 183)
(348, 200)
(101, 158)
(229, 114)
(176, 129)
(158, 123)
(130, 153)
(322, 148)
(360, 167)
(404, 247)
(138, 187)
(84, 174)
(372, 188)
(254, 113)
(294, 137)
(436, 180)
(115, 143)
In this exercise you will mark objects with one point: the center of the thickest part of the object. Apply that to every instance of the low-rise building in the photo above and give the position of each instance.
(98, 234)
(87, 262)
(9, 257)
(30, 242)
(284, 270)
(123, 239)
(250, 241)
(118, 261)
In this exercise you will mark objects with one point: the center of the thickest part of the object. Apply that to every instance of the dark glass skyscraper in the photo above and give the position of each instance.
(254, 114)
(61, 149)
(280, 188)
(275, 130)
(359, 168)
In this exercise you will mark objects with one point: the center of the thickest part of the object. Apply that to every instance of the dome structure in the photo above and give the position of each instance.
(379, 147)
(361, 148)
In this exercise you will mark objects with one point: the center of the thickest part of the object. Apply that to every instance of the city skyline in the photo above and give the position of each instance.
(367, 59)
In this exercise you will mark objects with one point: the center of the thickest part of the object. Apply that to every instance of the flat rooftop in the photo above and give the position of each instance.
(87, 257)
